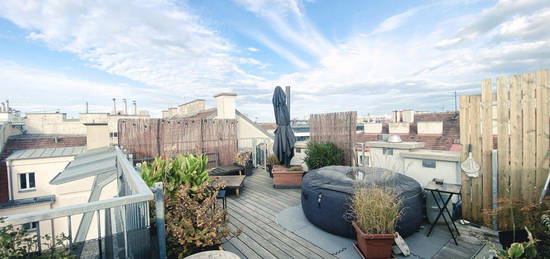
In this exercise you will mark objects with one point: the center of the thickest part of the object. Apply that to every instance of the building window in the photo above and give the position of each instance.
(387, 151)
(31, 226)
(114, 134)
(429, 163)
(26, 181)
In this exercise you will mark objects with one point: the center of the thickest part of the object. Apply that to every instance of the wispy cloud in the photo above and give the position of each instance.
(396, 21)
(158, 43)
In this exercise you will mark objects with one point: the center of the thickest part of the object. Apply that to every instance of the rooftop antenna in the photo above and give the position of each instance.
(125, 106)
(114, 106)
(288, 99)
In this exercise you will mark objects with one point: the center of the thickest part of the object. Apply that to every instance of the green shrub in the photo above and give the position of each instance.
(174, 172)
(295, 169)
(18, 243)
(194, 222)
(519, 250)
(321, 154)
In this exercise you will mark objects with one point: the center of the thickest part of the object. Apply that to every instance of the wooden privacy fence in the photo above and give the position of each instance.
(150, 138)
(339, 128)
(518, 114)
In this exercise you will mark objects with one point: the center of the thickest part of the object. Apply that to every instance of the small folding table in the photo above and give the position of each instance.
(437, 190)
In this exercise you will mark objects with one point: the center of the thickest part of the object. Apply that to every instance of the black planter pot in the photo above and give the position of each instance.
(506, 238)
(269, 170)
(249, 168)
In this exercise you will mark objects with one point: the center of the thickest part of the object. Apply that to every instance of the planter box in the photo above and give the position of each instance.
(506, 238)
(374, 245)
(282, 178)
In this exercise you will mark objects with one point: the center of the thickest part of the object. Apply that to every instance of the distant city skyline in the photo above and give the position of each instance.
(368, 56)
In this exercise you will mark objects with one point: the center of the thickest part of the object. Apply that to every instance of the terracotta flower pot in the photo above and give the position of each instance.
(374, 245)
(282, 178)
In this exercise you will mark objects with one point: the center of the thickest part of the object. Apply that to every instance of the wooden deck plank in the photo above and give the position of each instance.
(254, 212)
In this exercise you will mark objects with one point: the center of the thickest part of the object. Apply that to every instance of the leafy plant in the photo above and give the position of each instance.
(272, 160)
(375, 209)
(242, 158)
(19, 243)
(519, 250)
(174, 172)
(194, 221)
(295, 169)
(321, 154)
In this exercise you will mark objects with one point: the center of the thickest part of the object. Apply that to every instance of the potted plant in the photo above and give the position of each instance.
(519, 250)
(321, 154)
(287, 177)
(244, 159)
(376, 211)
(271, 160)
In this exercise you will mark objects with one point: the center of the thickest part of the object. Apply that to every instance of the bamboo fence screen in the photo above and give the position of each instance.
(150, 138)
(339, 128)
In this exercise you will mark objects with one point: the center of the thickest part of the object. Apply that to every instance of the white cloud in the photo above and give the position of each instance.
(290, 24)
(34, 90)
(159, 43)
(252, 49)
(396, 21)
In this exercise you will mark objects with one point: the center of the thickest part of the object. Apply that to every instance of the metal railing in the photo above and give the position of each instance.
(259, 147)
(124, 219)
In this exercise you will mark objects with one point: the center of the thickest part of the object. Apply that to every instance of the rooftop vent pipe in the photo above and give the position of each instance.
(125, 106)
(114, 106)
(135, 107)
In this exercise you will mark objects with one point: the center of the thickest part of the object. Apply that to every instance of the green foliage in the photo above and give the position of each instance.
(19, 243)
(321, 154)
(272, 160)
(295, 169)
(195, 222)
(193, 219)
(519, 250)
(174, 172)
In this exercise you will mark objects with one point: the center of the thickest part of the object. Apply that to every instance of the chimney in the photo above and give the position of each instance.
(114, 106)
(97, 135)
(135, 107)
(125, 106)
(7, 105)
(3, 108)
(225, 104)
(86, 107)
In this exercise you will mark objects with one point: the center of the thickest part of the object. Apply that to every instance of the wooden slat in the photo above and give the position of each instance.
(475, 138)
(503, 125)
(528, 171)
(465, 141)
(543, 129)
(487, 147)
(516, 137)
(339, 128)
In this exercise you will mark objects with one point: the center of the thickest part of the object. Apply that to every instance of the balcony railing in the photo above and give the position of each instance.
(122, 222)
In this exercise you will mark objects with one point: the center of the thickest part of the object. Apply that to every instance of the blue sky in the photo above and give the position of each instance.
(369, 56)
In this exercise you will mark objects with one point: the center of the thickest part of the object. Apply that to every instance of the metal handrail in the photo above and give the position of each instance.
(142, 193)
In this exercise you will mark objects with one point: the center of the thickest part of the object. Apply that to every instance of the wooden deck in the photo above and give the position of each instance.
(254, 212)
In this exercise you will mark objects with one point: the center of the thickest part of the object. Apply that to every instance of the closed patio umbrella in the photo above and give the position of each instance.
(284, 137)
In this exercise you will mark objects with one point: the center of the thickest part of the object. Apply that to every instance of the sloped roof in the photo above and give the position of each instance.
(45, 152)
(91, 163)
